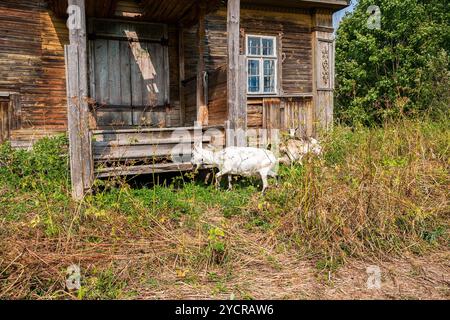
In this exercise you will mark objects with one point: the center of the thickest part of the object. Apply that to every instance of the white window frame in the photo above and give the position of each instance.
(261, 58)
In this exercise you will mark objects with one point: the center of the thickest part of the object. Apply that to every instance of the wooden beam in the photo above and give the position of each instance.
(233, 21)
(73, 117)
(16, 111)
(77, 94)
(241, 110)
(182, 74)
(323, 70)
(202, 104)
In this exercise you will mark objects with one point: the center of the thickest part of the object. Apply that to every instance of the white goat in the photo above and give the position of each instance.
(243, 161)
(295, 150)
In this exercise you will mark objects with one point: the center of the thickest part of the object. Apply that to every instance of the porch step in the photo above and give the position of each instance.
(144, 169)
(150, 143)
(145, 141)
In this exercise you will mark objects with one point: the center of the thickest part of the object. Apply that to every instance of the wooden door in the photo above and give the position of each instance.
(129, 71)
(4, 119)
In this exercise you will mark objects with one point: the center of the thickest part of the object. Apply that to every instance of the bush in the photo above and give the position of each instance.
(401, 69)
(45, 167)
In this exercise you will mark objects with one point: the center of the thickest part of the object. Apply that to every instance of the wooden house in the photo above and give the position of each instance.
(123, 77)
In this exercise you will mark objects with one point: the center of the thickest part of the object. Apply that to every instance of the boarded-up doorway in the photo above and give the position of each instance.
(4, 119)
(129, 72)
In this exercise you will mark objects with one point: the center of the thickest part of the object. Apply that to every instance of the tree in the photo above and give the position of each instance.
(401, 68)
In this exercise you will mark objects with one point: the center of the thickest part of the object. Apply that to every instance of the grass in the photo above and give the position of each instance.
(376, 193)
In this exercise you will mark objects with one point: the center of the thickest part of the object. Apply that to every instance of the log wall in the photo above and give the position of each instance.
(32, 62)
(294, 36)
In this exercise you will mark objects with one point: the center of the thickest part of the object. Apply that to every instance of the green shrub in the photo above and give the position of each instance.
(44, 167)
(400, 69)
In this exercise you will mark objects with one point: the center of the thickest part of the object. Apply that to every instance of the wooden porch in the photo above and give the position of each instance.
(122, 98)
(140, 72)
(133, 151)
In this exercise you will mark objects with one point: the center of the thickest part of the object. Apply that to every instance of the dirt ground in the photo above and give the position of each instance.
(148, 273)
(406, 278)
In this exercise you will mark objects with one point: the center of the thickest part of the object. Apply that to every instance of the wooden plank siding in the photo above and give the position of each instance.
(32, 62)
(32, 65)
(294, 35)
(4, 119)
(217, 95)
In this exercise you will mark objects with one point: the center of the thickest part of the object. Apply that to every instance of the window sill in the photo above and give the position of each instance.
(298, 95)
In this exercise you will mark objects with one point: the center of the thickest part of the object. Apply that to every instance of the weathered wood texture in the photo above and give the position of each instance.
(202, 85)
(217, 94)
(32, 63)
(80, 149)
(133, 74)
(293, 32)
(190, 97)
(74, 121)
(233, 102)
(323, 69)
(149, 146)
(292, 29)
(282, 113)
(167, 11)
(4, 119)
(181, 75)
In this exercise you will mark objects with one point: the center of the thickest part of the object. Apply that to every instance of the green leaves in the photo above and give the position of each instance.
(401, 69)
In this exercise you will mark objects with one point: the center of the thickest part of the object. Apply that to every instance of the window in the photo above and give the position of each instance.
(262, 65)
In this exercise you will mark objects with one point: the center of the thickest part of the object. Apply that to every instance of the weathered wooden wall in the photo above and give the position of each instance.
(295, 53)
(4, 119)
(32, 63)
(323, 74)
(217, 95)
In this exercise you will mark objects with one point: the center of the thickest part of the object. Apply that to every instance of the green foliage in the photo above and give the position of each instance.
(43, 168)
(381, 189)
(401, 69)
(376, 191)
(102, 285)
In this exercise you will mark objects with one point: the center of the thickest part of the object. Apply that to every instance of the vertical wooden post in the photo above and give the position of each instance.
(202, 105)
(16, 111)
(73, 116)
(323, 70)
(182, 74)
(81, 160)
(241, 111)
(237, 103)
(198, 134)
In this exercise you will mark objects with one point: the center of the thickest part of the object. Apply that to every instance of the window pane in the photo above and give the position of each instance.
(253, 75)
(253, 67)
(268, 47)
(269, 84)
(253, 84)
(269, 76)
(254, 46)
(269, 67)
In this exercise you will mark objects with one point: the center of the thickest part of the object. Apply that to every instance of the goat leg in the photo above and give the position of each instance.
(207, 177)
(274, 175)
(265, 181)
(230, 186)
(218, 179)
